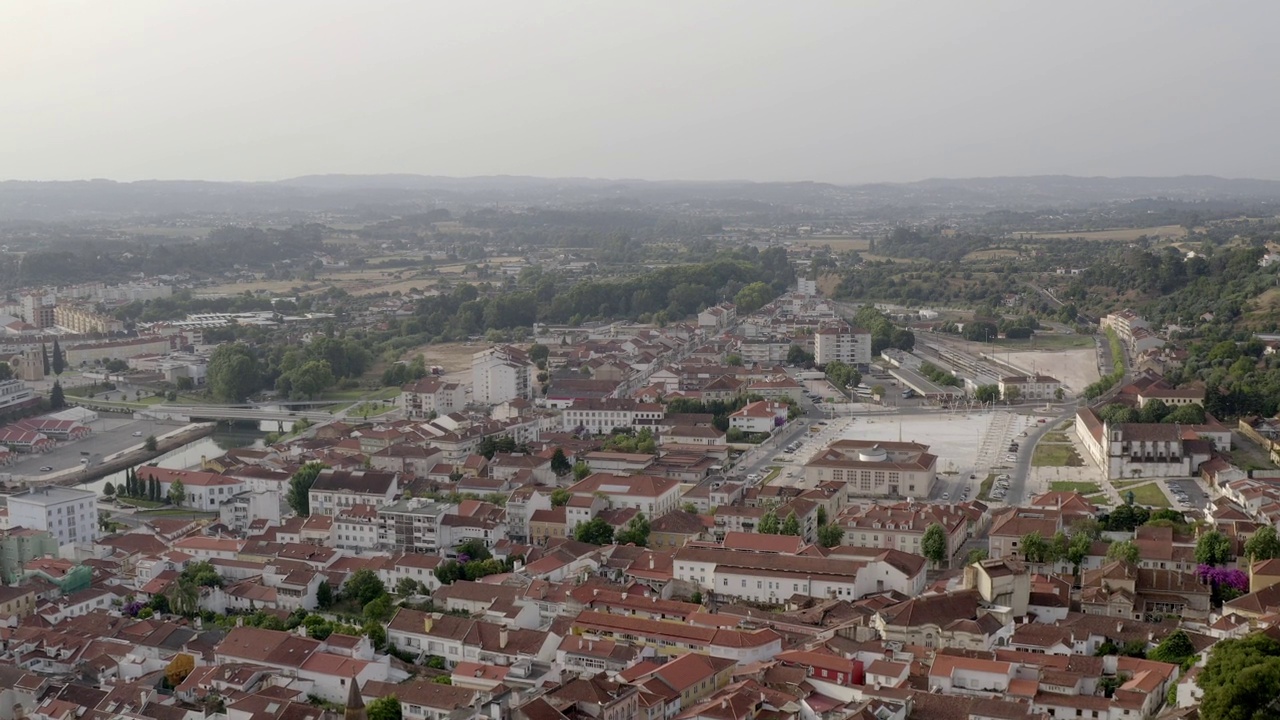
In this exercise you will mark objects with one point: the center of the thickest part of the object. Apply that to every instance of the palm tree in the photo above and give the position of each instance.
(184, 597)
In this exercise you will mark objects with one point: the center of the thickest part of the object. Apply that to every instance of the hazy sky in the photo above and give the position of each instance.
(847, 91)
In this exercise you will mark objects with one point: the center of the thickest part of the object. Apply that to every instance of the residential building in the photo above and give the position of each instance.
(502, 373)
(653, 496)
(761, 416)
(431, 396)
(69, 515)
(336, 489)
(839, 341)
(412, 525)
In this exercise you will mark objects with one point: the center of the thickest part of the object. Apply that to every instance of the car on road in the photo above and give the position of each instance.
(84, 461)
(46, 468)
(137, 433)
(973, 477)
(946, 496)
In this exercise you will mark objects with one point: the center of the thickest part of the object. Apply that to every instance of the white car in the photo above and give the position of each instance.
(137, 433)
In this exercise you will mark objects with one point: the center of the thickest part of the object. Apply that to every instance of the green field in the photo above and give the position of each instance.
(1055, 437)
(1099, 499)
(1055, 456)
(773, 473)
(1149, 494)
(1084, 488)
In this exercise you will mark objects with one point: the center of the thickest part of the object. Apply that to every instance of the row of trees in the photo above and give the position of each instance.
(146, 488)
(1154, 411)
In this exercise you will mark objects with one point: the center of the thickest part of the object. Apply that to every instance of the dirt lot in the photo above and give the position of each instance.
(455, 358)
(1077, 369)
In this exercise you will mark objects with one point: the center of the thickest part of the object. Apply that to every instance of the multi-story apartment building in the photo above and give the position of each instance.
(412, 525)
(13, 393)
(84, 320)
(653, 496)
(430, 397)
(502, 373)
(839, 341)
(67, 514)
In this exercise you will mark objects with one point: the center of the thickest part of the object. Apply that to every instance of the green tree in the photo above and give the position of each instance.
(44, 356)
(1241, 681)
(1033, 547)
(324, 595)
(1124, 550)
(976, 555)
(560, 497)
(797, 355)
(177, 493)
(378, 610)
(769, 523)
(539, 353)
(822, 515)
(309, 379)
(791, 525)
(59, 362)
(108, 489)
(635, 533)
(364, 586)
(934, 544)
(753, 297)
(733, 360)
(233, 373)
(151, 444)
(1213, 548)
(560, 463)
(57, 400)
(594, 532)
(407, 587)
(830, 535)
(300, 483)
(1078, 549)
(1175, 649)
(6, 371)
(581, 470)
(987, 393)
(1264, 544)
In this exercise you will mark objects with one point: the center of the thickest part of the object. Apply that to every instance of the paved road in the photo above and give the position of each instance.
(1019, 492)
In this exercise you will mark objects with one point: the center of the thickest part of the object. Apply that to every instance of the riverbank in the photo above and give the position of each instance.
(128, 458)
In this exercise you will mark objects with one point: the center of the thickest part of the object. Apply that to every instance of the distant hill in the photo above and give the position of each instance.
(89, 199)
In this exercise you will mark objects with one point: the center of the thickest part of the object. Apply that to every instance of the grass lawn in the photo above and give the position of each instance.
(1084, 488)
(1055, 456)
(168, 512)
(140, 503)
(1149, 494)
(1127, 483)
(773, 473)
(1055, 437)
(984, 490)
(1049, 341)
(1099, 499)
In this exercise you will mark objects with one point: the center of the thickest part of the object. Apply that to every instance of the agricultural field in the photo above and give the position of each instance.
(1116, 235)
(838, 243)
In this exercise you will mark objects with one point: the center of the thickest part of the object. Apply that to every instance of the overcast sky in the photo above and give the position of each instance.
(847, 91)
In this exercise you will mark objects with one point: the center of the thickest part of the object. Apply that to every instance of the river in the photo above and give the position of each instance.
(188, 456)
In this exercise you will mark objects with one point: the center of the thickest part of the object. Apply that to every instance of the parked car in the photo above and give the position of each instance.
(46, 468)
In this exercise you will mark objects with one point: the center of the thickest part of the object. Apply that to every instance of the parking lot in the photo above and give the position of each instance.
(111, 434)
(1186, 493)
(961, 441)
